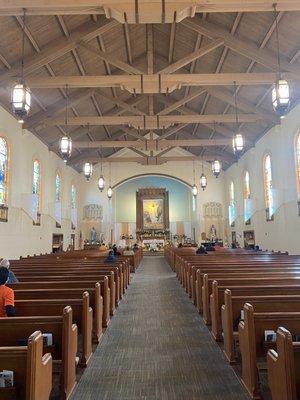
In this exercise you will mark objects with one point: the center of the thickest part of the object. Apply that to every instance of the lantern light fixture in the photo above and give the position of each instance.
(109, 190)
(88, 170)
(216, 168)
(237, 140)
(65, 147)
(101, 180)
(281, 90)
(194, 187)
(101, 183)
(194, 190)
(203, 179)
(21, 96)
(237, 143)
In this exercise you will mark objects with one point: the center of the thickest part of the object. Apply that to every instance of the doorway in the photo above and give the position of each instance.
(249, 240)
(57, 243)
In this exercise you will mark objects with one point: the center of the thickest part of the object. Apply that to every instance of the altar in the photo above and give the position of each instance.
(153, 244)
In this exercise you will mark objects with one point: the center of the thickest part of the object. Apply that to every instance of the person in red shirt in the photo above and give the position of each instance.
(7, 296)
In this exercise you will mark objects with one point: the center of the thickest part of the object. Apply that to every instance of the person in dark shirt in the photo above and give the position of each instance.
(201, 250)
(11, 276)
(7, 296)
(111, 258)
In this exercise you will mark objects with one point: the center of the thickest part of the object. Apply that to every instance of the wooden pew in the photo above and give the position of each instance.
(36, 285)
(40, 276)
(231, 313)
(32, 370)
(284, 367)
(64, 347)
(95, 301)
(252, 345)
(244, 279)
(82, 316)
(217, 298)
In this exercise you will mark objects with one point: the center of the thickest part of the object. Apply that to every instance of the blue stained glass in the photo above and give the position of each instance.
(3, 170)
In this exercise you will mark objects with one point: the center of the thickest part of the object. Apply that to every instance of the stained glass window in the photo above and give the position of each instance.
(57, 188)
(73, 197)
(268, 186)
(247, 186)
(231, 193)
(298, 163)
(36, 185)
(3, 170)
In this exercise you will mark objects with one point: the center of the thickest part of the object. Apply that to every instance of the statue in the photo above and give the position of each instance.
(213, 233)
(93, 235)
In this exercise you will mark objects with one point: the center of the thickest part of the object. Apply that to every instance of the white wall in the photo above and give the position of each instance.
(284, 232)
(123, 171)
(18, 236)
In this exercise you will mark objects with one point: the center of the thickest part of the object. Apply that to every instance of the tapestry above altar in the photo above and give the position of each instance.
(152, 212)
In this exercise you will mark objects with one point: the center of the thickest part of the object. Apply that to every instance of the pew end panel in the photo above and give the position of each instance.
(281, 368)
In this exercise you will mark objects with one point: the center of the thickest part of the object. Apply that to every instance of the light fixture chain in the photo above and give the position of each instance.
(23, 46)
(277, 39)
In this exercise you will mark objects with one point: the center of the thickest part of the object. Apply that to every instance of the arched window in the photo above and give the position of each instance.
(268, 185)
(247, 186)
(297, 151)
(73, 197)
(247, 195)
(232, 208)
(3, 171)
(57, 188)
(36, 188)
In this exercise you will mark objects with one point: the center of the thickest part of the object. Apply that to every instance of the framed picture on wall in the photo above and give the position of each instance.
(152, 208)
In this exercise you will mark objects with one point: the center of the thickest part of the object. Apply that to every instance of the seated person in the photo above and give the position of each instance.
(102, 247)
(11, 276)
(111, 258)
(180, 245)
(201, 250)
(7, 296)
(210, 247)
(128, 252)
(135, 247)
(115, 250)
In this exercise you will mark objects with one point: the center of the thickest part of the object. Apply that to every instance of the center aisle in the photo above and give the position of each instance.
(157, 347)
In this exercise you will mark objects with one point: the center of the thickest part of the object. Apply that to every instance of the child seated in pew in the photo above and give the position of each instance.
(7, 296)
(111, 258)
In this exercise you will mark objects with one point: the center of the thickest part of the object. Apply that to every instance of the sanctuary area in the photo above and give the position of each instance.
(149, 199)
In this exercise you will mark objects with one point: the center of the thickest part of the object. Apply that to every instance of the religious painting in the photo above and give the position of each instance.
(152, 209)
(153, 214)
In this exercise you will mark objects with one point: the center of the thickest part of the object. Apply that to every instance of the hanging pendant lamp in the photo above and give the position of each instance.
(237, 140)
(281, 89)
(203, 179)
(194, 187)
(101, 181)
(88, 171)
(21, 97)
(65, 145)
(109, 190)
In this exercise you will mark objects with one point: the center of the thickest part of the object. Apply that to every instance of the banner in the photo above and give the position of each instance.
(74, 216)
(231, 214)
(55, 211)
(28, 202)
(248, 209)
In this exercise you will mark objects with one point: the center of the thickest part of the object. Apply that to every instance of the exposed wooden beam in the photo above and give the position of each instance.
(126, 10)
(182, 101)
(151, 122)
(144, 160)
(111, 59)
(157, 83)
(243, 47)
(147, 145)
(193, 56)
(58, 48)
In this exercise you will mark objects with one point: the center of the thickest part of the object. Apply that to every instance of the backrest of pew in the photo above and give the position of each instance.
(32, 370)
(284, 367)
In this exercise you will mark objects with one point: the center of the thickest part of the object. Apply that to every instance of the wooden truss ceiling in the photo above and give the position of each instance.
(149, 87)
